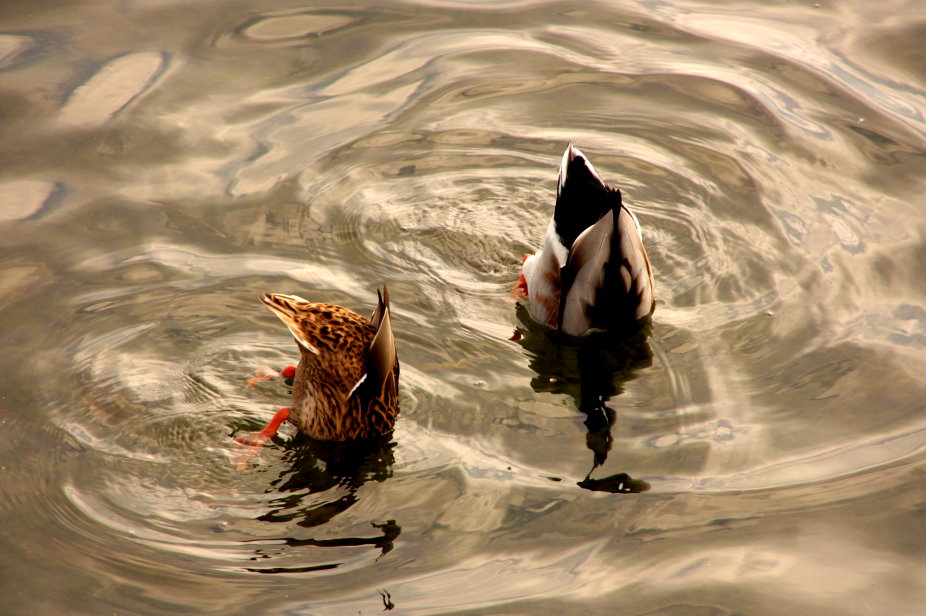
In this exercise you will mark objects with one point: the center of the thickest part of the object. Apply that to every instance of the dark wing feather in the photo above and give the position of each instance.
(382, 366)
(583, 276)
(381, 306)
(607, 281)
(636, 273)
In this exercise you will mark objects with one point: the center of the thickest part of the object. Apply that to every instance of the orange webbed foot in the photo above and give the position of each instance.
(266, 373)
(518, 293)
(249, 444)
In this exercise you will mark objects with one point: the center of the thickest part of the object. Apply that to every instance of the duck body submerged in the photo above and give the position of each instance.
(346, 383)
(592, 273)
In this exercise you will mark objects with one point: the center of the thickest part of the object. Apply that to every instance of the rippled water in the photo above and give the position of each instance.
(164, 163)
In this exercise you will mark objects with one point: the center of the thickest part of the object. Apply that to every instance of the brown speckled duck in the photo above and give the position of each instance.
(592, 273)
(346, 383)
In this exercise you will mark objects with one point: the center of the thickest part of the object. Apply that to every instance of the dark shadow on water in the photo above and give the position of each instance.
(592, 370)
(321, 481)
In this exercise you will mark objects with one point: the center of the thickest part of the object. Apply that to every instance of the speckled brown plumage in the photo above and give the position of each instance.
(346, 383)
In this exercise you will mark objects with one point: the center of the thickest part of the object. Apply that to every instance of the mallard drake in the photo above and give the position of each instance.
(346, 383)
(592, 273)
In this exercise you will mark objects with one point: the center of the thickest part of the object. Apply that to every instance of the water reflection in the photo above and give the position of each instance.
(592, 370)
(321, 481)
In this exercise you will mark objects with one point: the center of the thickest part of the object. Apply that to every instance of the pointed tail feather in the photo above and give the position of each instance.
(581, 197)
(284, 307)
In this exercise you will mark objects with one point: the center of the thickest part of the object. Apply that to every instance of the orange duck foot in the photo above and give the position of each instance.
(266, 373)
(249, 444)
(518, 293)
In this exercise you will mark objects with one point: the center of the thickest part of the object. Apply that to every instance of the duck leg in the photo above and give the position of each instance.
(518, 293)
(253, 441)
(266, 373)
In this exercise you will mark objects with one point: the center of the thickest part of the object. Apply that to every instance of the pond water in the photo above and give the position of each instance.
(762, 449)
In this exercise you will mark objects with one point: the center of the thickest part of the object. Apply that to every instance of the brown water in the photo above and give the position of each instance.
(763, 451)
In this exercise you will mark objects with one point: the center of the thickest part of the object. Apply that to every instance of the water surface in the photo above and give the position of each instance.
(762, 450)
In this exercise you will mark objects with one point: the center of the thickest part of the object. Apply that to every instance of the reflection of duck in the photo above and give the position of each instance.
(591, 369)
(345, 386)
(322, 481)
(592, 272)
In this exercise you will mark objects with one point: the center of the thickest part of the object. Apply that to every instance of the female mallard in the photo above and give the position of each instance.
(345, 385)
(592, 273)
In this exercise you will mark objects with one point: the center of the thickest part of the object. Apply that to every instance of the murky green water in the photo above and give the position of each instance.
(164, 163)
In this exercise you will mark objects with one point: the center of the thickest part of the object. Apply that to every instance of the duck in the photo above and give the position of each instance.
(345, 386)
(592, 273)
